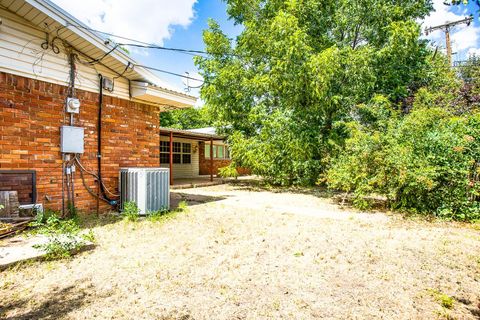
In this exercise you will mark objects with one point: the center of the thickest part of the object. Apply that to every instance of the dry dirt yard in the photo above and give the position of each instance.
(243, 253)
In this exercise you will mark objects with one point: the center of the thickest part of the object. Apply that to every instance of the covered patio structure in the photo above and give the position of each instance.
(181, 151)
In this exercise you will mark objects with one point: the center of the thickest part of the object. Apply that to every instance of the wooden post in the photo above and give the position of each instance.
(171, 158)
(211, 159)
(449, 46)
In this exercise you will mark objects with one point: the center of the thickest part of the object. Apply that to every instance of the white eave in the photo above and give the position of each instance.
(159, 93)
(143, 91)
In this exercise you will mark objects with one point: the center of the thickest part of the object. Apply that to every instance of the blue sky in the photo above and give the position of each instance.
(170, 23)
(465, 39)
(190, 38)
(180, 23)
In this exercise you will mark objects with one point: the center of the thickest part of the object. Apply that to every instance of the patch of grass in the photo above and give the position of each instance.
(88, 221)
(157, 215)
(182, 206)
(298, 254)
(165, 214)
(130, 211)
(7, 284)
(445, 300)
(476, 225)
(64, 237)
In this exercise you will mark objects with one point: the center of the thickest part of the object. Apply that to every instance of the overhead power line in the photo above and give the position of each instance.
(168, 72)
(138, 43)
(446, 28)
(195, 52)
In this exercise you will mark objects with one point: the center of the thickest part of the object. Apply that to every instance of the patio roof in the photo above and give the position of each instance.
(187, 134)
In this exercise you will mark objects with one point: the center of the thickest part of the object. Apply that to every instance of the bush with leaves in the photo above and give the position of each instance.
(300, 67)
(423, 162)
(282, 152)
(131, 211)
(228, 172)
(64, 237)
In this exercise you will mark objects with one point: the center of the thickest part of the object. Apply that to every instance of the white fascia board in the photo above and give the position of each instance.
(68, 21)
(144, 91)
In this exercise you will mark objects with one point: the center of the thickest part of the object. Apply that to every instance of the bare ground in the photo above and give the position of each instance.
(240, 253)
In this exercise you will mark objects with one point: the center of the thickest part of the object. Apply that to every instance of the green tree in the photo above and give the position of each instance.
(427, 161)
(293, 76)
(189, 118)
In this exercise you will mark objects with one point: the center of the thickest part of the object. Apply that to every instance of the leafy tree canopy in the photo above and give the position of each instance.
(308, 63)
(346, 93)
(189, 118)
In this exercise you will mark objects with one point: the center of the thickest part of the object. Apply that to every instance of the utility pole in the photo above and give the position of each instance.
(446, 28)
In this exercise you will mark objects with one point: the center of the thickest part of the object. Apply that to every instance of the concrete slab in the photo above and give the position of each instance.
(20, 249)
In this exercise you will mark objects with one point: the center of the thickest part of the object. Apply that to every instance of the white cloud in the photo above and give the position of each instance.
(464, 38)
(473, 52)
(145, 20)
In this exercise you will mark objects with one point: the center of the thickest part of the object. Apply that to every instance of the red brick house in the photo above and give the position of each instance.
(220, 153)
(190, 153)
(194, 153)
(56, 72)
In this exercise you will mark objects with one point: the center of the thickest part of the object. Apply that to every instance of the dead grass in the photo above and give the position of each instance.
(255, 254)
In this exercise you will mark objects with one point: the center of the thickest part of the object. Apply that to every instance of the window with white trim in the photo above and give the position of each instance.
(219, 151)
(181, 152)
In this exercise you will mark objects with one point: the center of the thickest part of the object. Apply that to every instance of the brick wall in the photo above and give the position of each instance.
(22, 182)
(31, 113)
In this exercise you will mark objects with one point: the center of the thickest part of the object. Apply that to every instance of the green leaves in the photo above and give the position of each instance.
(307, 78)
(421, 162)
(189, 118)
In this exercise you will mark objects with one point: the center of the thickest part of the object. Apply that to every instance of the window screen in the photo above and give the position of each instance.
(177, 158)
(220, 152)
(164, 158)
(186, 148)
(164, 146)
(177, 147)
(207, 151)
(186, 158)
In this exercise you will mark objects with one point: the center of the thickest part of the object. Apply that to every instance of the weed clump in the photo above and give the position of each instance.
(64, 236)
(131, 211)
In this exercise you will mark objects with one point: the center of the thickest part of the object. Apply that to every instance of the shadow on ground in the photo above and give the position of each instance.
(340, 198)
(57, 303)
(191, 199)
(262, 185)
(89, 221)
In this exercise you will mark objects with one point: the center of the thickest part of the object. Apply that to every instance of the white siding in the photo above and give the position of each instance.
(191, 170)
(21, 54)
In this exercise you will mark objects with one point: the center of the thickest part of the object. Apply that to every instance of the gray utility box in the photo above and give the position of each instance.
(71, 139)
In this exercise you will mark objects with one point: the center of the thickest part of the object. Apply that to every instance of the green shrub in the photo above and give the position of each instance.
(425, 162)
(283, 152)
(228, 172)
(131, 211)
(64, 236)
(182, 206)
(157, 215)
(42, 217)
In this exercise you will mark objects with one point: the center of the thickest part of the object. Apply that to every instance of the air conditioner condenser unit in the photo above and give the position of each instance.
(149, 188)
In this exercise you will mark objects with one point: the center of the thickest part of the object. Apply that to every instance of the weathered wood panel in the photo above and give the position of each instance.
(9, 201)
